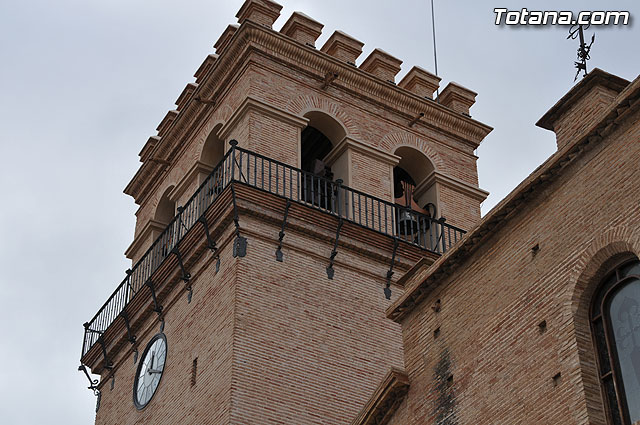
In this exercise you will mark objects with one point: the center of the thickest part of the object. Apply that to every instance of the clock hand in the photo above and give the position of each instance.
(153, 353)
(154, 371)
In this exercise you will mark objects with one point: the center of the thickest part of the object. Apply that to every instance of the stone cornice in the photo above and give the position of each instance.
(453, 183)
(357, 146)
(253, 36)
(253, 104)
(624, 106)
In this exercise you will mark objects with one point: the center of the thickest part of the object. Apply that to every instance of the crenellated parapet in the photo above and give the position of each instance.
(343, 47)
(420, 82)
(263, 12)
(205, 67)
(225, 38)
(382, 65)
(302, 28)
(186, 95)
(458, 98)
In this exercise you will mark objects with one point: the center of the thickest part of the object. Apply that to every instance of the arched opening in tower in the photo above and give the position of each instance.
(314, 147)
(414, 190)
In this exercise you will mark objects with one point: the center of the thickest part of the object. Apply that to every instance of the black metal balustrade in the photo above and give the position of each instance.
(246, 167)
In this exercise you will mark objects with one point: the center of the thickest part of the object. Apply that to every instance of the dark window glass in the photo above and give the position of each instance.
(610, 392)
(615, 324)
(624, 315)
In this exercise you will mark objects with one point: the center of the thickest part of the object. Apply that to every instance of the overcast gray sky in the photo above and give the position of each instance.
(85, 83)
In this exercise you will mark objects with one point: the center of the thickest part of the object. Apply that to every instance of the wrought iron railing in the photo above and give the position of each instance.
(246, 167)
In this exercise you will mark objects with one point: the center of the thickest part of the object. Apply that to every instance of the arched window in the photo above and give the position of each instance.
(409, 179)
(320, 136)
(615, 325)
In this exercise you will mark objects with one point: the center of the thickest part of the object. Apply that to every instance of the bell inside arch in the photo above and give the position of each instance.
(410, 212)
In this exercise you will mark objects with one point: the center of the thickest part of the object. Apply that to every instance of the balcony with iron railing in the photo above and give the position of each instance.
(241, 166)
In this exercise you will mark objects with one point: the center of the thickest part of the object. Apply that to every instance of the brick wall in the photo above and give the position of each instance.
(501, 364)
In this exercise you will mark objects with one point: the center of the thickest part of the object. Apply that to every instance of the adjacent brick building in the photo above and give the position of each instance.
(300, 251)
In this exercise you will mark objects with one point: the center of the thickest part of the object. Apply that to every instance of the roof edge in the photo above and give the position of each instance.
(385, 400)
(594, 78)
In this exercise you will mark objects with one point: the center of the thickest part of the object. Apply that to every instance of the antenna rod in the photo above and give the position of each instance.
(435, 56)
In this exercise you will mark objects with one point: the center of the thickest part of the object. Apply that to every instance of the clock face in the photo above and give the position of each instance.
(150, 371)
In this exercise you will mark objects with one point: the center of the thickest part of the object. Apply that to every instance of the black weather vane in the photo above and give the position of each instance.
(583, 50)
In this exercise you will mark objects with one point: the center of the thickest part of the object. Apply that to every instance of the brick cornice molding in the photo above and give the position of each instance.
(369, 86)
(254, 37)
(385, 400)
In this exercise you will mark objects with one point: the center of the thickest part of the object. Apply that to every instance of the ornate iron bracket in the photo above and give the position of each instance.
(156, 307)
(387, 288)
(186, 276)
(279, 256)
(125, 316)
(132, 338)
(108, 364)
(240, 243)
(210, 242)
(330, 270)
(93, 385)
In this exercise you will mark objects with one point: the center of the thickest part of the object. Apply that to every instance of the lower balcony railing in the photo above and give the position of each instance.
(246, 167)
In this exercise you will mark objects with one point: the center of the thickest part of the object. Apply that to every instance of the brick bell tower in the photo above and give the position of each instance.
(279, 202)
